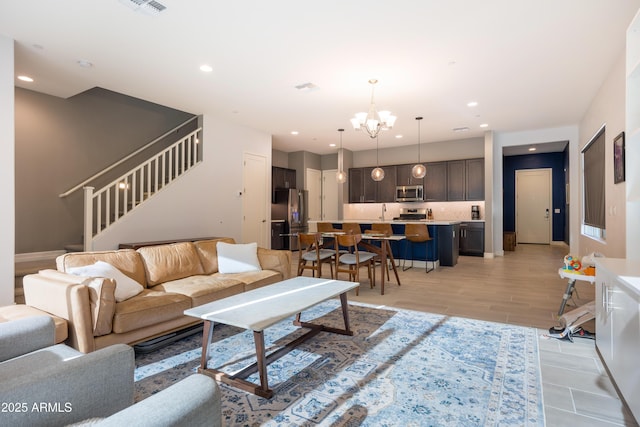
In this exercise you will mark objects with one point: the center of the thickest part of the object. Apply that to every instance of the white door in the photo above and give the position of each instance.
(254, 200)
(533, 206)
(314, 188)
(329, 195)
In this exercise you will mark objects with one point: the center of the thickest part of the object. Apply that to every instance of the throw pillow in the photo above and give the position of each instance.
(237, 258)
(126, 287)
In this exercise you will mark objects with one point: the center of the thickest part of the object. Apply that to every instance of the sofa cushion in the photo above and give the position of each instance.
(101, 298)
(252, 279)
(203, 289)
(127, 261)
(209, 253)
(20, 311)
(237, 258)
(148, 308)
(170, 262)
(126, 287)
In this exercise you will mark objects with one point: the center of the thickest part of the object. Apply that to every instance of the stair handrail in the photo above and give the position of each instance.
(124, 159)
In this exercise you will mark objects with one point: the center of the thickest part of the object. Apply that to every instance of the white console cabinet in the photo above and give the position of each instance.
(618, 325)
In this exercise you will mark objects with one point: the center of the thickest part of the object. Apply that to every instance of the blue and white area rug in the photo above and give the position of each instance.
(401, 368)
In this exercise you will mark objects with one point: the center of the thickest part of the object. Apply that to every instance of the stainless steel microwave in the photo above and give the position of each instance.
(409, 193)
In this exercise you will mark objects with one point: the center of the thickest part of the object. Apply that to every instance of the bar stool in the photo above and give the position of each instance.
(417, 233)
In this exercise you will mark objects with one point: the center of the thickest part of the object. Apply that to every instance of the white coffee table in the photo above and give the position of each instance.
(260, 308)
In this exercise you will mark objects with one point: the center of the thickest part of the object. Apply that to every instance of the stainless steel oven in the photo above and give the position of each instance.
(409, 193)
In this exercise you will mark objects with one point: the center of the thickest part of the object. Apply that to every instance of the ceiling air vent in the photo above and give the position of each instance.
(150, 7)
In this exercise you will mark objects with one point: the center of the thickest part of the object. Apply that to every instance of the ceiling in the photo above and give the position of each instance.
(528, 64)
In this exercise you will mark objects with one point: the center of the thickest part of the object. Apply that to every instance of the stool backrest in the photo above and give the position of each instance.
(417, 232)
(382, 227)
(324, 226)
(351, 228)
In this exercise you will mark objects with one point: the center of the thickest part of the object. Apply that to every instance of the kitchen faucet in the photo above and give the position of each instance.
(384, 209)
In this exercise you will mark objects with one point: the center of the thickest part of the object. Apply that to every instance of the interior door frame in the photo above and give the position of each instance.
(252, 195)
(549, 172)
(313, 181)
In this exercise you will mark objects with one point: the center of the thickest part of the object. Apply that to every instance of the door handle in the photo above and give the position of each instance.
(546, 213)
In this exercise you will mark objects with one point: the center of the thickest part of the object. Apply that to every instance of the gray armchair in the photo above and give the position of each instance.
(54, 385)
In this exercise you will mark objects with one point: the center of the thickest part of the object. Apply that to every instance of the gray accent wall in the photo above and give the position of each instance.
(61, 142)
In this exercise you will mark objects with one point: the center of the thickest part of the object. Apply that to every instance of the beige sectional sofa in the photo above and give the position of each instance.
(174, 277)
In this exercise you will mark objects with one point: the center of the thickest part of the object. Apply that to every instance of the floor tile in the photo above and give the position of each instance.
(559, 418)
(602, 407)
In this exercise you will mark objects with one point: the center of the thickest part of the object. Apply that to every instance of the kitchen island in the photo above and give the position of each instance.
(442, 249)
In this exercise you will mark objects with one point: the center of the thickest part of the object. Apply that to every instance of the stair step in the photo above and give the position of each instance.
(74, 247)
(22, 268)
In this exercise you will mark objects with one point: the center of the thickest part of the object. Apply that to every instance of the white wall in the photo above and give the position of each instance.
(7, 173)
(607, 108)
(206, 201)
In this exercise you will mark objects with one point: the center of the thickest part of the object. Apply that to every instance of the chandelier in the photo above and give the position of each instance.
(374, 120)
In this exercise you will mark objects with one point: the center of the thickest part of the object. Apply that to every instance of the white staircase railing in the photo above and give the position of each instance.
(105, 207)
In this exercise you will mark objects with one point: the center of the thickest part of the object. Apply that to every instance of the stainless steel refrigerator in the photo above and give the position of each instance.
(291, 206)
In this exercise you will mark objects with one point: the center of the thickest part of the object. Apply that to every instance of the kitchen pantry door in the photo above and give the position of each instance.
(254, 200)
(314, 188)
(533, 206)
(329, 195)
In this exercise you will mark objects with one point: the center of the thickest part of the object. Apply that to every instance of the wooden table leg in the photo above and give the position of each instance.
(383, 265)
(393, 261)
(258, 337)
(207, 336)
(345, 313)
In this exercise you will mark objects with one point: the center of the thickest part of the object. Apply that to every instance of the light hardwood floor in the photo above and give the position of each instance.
(521, 288)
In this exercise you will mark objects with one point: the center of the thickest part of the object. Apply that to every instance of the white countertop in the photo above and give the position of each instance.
(627, 270)
(377, 221)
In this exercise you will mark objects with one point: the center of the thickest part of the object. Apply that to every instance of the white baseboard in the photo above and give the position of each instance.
(38, 256)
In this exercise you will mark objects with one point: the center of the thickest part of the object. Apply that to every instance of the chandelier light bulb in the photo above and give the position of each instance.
(341, 177)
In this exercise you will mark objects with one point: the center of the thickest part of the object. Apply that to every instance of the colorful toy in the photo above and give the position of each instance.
(572, 264)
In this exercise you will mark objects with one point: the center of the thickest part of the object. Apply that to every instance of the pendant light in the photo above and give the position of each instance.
(419, 170)
(341, 176)
(378, 173)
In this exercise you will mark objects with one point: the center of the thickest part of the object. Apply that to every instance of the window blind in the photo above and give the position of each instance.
(594, 181)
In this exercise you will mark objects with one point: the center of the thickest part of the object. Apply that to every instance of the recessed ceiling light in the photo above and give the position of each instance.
(398, 136)
(472, 104)
(532, 148)
(294, 132)
(332, 145)
(206, 68)
(484, 125)
(25, 79)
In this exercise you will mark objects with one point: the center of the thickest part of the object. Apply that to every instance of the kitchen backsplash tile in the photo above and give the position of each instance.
(441, 210)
